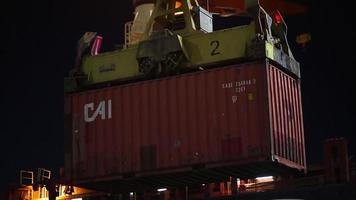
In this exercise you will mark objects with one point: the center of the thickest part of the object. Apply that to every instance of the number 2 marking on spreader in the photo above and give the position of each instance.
(215, 44)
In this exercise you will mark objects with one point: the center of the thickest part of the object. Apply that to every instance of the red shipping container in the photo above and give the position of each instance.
(241, 120)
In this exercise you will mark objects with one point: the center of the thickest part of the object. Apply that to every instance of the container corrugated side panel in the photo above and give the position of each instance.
(68, 127)
(286, 117)
(214, 116)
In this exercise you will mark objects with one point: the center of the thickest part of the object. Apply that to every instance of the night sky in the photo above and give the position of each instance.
(38, 49)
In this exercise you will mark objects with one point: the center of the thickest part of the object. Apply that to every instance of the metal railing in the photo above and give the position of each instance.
(26, 177)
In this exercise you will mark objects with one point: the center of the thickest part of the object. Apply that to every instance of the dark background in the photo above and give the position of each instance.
(38, 48)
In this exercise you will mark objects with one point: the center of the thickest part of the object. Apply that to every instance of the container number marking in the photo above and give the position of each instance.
(215, 44)
(239, 87)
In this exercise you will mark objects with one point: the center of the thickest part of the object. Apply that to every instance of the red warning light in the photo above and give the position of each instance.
(96, 47)
(277, 17)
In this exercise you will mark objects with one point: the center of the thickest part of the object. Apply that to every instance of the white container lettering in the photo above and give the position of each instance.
(103, 109)
(239, 86)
